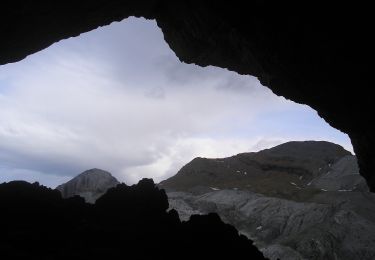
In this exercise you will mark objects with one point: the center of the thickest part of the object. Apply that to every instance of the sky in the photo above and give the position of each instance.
(117, 98)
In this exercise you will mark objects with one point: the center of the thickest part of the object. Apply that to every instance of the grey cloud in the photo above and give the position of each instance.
(241, 84)
(189, 75)
(181, 74)
(155, 92)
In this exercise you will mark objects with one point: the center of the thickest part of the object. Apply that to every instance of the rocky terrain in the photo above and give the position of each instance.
(299, 200)
(329, 226)
(90, 185)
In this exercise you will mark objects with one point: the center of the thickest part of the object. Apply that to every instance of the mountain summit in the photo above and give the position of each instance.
(90, 185)
(289, 170)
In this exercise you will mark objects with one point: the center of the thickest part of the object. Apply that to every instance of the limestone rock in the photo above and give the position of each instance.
(285, 229)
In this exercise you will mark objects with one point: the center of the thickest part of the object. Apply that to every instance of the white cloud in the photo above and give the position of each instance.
(184, 150)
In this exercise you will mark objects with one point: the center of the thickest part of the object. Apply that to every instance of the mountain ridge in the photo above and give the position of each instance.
(281, 171)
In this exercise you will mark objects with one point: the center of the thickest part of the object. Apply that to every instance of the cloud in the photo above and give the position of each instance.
(117, 98)
(183, 150)
(155, 92)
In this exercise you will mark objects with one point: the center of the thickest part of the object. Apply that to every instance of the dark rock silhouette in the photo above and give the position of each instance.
(127, 222)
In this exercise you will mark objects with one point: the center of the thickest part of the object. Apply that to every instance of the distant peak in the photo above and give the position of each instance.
(90, 184)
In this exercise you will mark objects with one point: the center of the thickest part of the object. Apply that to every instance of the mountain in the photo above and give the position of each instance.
(293, 170)
(298, 200)
(90, 185)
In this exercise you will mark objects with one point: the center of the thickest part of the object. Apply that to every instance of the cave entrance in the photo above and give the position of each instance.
(118, 98)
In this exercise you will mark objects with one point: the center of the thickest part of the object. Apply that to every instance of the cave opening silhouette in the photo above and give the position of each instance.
(275, 63)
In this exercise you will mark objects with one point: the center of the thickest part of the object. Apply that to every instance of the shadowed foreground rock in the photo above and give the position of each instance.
(128, 221)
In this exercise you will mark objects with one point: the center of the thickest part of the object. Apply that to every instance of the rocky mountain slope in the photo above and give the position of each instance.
(90, 185)
(330, 226)
(294, 170)
(299, 200)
